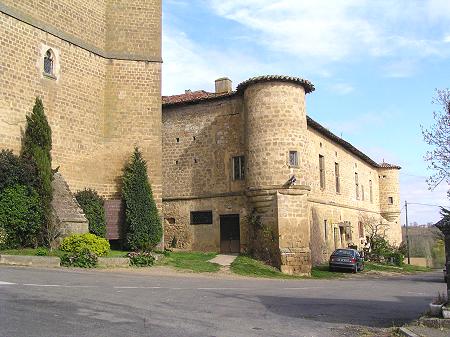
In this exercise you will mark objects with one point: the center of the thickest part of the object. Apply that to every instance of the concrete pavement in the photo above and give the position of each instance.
(36, 302)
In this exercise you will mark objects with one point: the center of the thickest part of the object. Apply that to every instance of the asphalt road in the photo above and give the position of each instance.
(63, 302)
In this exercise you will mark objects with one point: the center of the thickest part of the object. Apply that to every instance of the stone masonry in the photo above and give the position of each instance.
(103, 96)
(301, 220)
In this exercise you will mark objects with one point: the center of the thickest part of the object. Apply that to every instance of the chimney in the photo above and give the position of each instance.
(224, 85)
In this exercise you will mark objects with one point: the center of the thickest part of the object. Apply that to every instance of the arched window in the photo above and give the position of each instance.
(48, 62)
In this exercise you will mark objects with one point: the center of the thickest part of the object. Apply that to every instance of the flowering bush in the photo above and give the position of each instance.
(141, 259)
(78, 243)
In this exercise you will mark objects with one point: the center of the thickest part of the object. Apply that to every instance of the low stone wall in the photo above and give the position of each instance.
(35, 261)
(113, 261)
(420, 261)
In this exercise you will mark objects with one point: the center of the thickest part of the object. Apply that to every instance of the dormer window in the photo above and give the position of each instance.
(48, 63)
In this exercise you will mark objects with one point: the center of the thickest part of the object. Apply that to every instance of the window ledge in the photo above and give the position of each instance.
(49, 76)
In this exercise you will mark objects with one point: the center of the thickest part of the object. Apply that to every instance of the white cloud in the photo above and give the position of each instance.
(324, 31)
(189, 65)
(414, 189)
(357, 124)
(341, 88)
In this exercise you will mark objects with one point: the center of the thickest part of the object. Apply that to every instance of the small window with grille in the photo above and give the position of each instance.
(49, 63)
(293, 158)
(201, 218)
(239, 168)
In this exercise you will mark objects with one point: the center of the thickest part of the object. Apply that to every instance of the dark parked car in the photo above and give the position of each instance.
(348, 259)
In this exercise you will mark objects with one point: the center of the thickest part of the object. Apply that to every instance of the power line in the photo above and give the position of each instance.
(431, 205)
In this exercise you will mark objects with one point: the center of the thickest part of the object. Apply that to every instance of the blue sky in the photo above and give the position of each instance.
(375, 65)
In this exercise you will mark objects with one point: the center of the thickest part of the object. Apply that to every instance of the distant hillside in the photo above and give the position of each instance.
(425, 241)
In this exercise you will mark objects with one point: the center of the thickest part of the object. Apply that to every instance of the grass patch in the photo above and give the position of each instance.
(194, 261)
(394, 269)
(324, 272)
(246, 266)
(117, 253)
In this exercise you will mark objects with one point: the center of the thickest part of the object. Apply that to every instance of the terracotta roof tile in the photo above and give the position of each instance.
(307, 85)
(192, 97)
(389, 166)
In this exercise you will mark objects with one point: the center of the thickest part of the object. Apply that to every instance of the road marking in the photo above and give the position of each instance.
(139, 288)
(41, 285)
(223, 288)
(303, 288)
(2, 283)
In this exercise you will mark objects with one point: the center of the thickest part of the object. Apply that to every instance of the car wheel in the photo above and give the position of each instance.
(331, 269)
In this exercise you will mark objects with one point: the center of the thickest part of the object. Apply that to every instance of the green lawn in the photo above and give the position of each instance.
(389, 268)
(194, 261)
(247, 266)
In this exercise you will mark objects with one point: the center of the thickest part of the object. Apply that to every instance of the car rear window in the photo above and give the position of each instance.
(343, 252)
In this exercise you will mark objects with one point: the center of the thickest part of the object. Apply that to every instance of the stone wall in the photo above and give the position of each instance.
(98, 107)
(300, 225)
(177, 222)
(198, 145)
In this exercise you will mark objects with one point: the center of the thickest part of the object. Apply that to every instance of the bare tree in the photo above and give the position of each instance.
(438, 136)
(373, 227)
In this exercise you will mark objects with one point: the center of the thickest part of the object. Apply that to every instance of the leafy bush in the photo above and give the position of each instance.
(41, 251)
(142, 223)
(382, 251)
(14, 170)
(20, 215)
(37, 144)
(78, 243)
(141, 259)
(3, 238)
(92, 205)
(81, 259)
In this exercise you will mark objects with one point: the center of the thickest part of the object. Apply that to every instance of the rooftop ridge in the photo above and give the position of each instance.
(307, 85)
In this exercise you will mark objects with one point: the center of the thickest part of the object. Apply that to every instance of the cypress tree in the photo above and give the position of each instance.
(143, 229)
(37, 144)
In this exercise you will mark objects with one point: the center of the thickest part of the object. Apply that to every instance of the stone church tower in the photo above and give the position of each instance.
(97, 67)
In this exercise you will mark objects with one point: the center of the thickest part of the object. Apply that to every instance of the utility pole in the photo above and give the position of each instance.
(406, 227)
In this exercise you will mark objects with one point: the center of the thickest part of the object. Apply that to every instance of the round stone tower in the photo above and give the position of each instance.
(277, 167)
(389, 200)
(275, 130)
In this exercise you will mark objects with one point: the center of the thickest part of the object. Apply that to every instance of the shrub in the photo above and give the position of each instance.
(37, 144)
(78, 243)
(81, 259)
(141, 259)
(20, 215)
(41, 251)
(92, 205)
(382, 251)
(3, 238)
(14, 170)
(142, 223)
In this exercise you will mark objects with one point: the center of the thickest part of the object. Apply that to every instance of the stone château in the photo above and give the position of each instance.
(231, 171)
